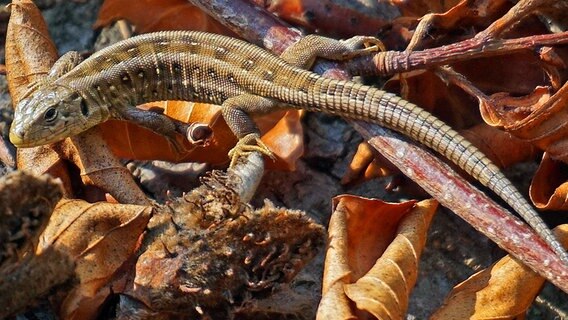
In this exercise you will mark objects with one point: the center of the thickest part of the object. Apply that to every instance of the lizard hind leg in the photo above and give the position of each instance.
(236, 112)
(304, 52)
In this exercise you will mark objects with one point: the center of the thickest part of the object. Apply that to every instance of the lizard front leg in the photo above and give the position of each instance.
(303, 53)
(63, 65)
(164, 125)
(236, 112)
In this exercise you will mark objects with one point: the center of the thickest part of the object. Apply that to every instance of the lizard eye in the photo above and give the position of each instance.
(50, 115)
(84, 108)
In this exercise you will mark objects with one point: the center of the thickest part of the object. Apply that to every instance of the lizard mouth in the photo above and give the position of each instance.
(16, 139)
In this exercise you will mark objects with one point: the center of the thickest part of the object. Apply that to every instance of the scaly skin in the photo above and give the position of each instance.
(243, 78)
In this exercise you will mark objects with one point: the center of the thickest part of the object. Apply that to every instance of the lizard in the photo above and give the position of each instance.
(244, 79)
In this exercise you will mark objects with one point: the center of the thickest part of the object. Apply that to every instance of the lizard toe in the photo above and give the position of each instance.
(249, 143)
(362, 45)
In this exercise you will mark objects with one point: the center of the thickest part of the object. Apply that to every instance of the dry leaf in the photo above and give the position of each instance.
(502, 148)
(157, 15)
(387, 286)
(549, 189)
(84, 242)
(367, 164)
(542, 121)
(505, 290)
(501, 109)
(373, 253)
(27, 30)
(100, 238)
(30, 53)
(283, 133)
(425, 89)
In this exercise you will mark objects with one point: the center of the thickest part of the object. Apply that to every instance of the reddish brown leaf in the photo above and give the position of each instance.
(502, 148)
(425, 89)
(503, 110)
(542, 120)
(323, 16)
(157, 15)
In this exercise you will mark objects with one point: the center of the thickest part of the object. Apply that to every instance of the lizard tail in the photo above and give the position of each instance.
(386, 109)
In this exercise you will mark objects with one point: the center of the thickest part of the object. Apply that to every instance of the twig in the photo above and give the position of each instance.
(391, 62)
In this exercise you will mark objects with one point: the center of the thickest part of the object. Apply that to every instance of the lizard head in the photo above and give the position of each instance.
(49, 114)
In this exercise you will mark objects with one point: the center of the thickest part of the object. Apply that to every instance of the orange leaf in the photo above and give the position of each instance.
(387, 286)
(157, 15)
(284, 135)
(367, 164)
(505, 290)
(30, 53)
(281, 131)
(128, 140)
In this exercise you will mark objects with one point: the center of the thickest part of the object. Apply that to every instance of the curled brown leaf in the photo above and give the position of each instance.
(549, 189)
(372, 258)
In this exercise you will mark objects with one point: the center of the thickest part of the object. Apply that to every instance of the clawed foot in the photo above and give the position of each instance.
(362, 45)
(249, 143)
